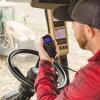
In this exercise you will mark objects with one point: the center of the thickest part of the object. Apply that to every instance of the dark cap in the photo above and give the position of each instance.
(64, 12)
(87, 12)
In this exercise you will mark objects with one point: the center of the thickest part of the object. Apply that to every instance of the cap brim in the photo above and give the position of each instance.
(62, 13)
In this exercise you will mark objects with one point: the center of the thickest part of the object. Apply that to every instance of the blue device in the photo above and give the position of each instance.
(49, 46)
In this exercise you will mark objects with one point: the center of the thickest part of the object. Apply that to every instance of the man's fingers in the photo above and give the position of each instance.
(57, 49)
(42, 53)
(41, 42)
(41, 48)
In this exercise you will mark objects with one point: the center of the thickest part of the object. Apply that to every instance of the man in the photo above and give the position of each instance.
(86, 84)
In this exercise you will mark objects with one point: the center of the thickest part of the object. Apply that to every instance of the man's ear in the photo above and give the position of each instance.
(89, 31)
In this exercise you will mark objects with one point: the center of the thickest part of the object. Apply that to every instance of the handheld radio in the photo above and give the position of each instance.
(49, 46)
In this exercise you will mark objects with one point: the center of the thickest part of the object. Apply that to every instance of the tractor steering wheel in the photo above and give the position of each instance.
(17, 73)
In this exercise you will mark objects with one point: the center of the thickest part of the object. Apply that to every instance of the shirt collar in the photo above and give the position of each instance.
(96, 57)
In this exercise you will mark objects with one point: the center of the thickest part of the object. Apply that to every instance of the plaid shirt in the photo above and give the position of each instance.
(85, 86)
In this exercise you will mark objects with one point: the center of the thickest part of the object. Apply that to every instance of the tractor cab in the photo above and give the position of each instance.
(17, 36)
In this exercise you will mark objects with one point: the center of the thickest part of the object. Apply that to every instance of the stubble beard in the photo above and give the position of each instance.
(82, 41)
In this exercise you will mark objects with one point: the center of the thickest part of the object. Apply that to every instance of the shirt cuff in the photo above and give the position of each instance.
(45, 62)
(46, 66)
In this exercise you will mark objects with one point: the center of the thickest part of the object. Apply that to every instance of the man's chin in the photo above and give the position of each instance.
(82, 46)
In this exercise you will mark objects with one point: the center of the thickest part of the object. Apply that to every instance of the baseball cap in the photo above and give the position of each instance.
(87, 12)
(64, 12)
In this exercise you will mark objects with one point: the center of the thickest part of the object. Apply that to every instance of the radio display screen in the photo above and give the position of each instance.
(48, 40)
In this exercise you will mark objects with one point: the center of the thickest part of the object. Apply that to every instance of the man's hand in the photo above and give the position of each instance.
(43, 54)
